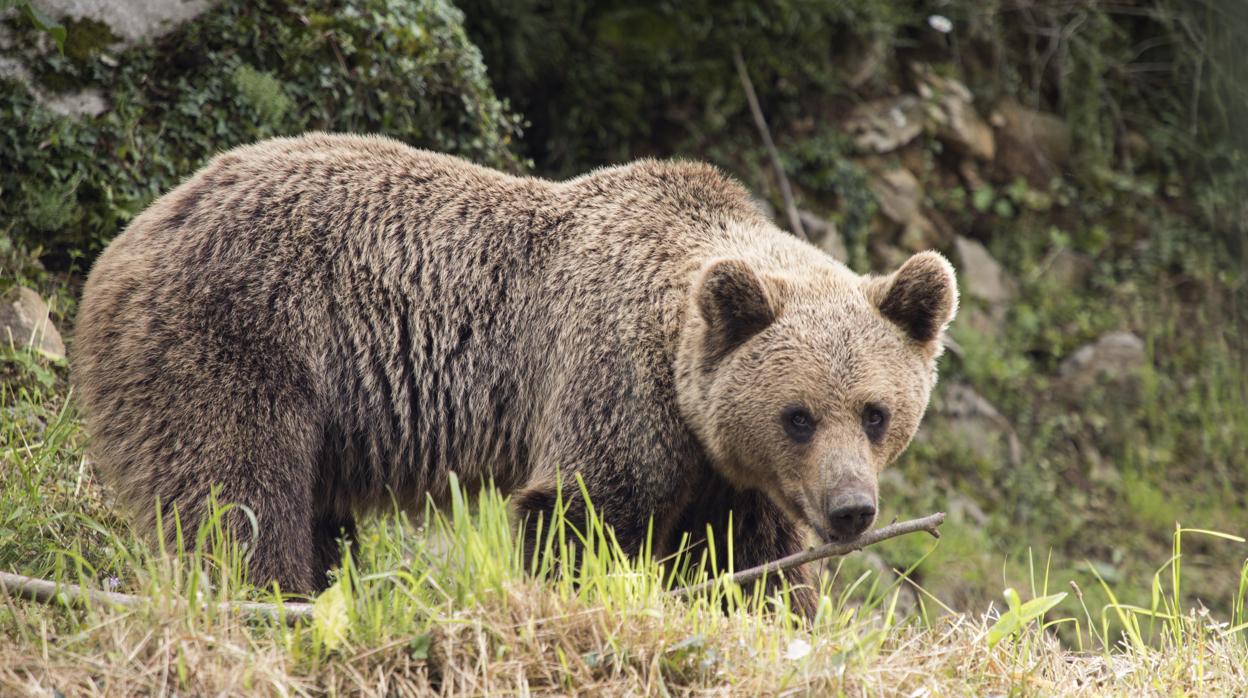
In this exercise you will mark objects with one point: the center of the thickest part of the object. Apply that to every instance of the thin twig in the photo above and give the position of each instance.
(795, 221)
(51, 593)
(931, 524)
(54, 594)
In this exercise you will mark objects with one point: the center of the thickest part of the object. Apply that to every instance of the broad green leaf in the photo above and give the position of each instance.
(1020, 614)
(329, 617)
(44, 23)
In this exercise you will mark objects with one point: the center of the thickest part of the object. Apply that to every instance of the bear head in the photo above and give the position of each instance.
(806, 384)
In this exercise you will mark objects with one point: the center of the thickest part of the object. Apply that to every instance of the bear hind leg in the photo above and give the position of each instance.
(259, 462)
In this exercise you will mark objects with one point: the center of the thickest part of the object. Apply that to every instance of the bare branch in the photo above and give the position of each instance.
(53, 594)
(931, 524)
(795, 221)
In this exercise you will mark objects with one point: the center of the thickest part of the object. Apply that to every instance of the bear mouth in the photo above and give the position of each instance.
(798, 507)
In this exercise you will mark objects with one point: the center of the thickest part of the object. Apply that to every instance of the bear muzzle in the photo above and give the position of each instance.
(848, 515)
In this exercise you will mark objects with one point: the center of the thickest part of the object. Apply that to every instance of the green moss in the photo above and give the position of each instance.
(86, 37)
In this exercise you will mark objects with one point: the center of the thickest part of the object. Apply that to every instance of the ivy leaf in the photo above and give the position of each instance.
(41, 20)
(330, 619)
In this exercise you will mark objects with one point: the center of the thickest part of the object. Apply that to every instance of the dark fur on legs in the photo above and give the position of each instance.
(761, 533)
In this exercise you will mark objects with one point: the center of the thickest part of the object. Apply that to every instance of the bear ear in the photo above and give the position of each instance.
(921, 297)
(734, 303)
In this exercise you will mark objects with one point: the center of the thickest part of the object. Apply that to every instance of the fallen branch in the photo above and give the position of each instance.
(795, 220)
(931, 524)
(53, 594)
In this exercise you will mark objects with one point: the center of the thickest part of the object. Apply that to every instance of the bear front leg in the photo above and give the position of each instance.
(278, 533)
(329, 533)
(617, 503)
(622, 437)
(761, 533)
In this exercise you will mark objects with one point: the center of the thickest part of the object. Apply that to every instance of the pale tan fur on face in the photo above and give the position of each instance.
(830, 351)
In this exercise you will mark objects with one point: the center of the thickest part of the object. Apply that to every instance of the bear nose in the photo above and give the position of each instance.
(851, 517)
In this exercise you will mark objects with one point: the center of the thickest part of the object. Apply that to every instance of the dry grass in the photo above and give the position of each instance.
(534, 643)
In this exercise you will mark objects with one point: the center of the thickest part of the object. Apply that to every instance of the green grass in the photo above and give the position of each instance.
(444, 602)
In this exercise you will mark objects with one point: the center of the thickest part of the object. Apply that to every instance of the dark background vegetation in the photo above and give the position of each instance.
(1141, 228)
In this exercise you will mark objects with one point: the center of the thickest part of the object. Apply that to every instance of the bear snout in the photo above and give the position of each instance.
(850, 515)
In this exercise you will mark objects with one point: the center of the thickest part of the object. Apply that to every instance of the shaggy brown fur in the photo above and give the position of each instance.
(315, 323)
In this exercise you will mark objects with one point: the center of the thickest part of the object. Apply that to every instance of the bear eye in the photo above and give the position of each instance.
(875, 422)
(798, 424)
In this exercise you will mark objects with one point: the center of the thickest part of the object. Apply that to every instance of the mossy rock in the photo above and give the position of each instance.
(240, 72)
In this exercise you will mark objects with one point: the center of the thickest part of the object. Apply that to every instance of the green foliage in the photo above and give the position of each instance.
(605, 81)
(821, 167)
(38, 19)
(240, 72)
(263, 93)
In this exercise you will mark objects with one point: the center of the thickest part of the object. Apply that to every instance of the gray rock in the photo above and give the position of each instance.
(1069, 268)
(884, 125)
(867, 61)
(32, 426)
(886, 258)
(24, 320)
(962, 127)
(1114, 360)
(131, 20)
(921, 233)
(898, 193)
(981, 276)
(824, 235)
(950, 107)
(1031, 144)
(87, 102)
(75, 104)
(987, 322)
(13, 69)
(970, 421)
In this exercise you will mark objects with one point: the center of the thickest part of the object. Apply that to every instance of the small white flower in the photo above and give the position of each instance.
(940, 23)
(798, 649)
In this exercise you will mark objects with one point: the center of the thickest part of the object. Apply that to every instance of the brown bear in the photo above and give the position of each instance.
(319, 324)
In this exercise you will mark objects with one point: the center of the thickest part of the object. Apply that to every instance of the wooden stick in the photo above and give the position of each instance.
(931, 524)
(51, 593)
(795, 221)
